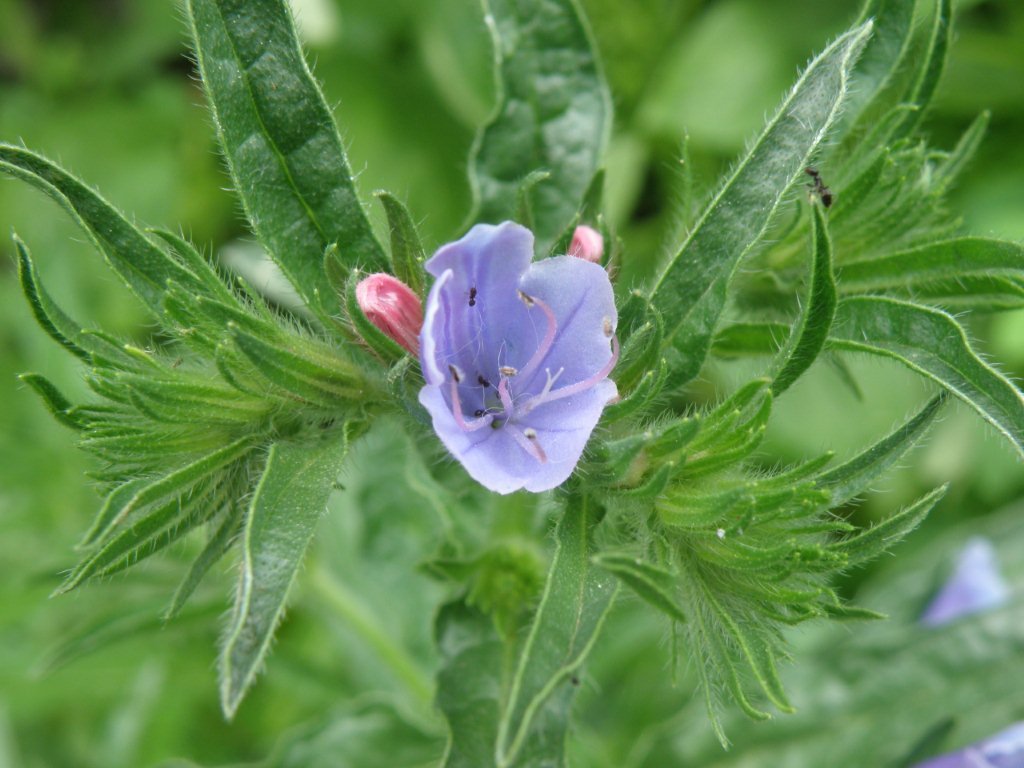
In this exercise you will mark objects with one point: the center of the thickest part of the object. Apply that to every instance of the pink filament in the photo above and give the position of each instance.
(465, 426)
(545, 343)
(581, 386)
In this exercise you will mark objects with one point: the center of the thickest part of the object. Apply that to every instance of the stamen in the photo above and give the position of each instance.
(527, 440)
(456, 373)
(508, 370)
(606, 326)
(549, 335)
(573, 389)
(466, 426)
(506, 398)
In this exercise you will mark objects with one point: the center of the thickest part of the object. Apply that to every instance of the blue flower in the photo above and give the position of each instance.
(1004, 750)
(516, 357)
(976, 585)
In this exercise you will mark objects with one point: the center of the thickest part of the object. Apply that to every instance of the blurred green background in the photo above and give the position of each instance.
(106, 88)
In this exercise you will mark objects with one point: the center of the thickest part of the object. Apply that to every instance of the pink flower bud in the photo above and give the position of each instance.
(391, 305)
(587, 244)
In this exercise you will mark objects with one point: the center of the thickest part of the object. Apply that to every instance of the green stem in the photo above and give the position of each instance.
(365, 624)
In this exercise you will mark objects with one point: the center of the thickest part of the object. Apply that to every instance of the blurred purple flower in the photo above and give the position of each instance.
(1004, 750)
(516, 357)
(975, 585)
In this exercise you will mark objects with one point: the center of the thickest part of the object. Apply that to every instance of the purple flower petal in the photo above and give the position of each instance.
(1004, 750)
(975, 585)
(516, 357)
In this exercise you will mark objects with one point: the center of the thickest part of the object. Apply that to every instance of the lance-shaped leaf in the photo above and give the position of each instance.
(690, 293)
(847, 480)
(872, 91)
(945, 260)
(932, 343)
(407, 254)
(280, 141)
(139, 493)
(54, 400)
(654, 585)
(144, 267)
(811, 332)
(576, 600)
(553, 114)
(50, 317)
(871, 542)
(216, 546)
(288, 501)
(929, 70)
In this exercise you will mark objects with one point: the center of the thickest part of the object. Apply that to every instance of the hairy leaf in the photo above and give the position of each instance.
(847, 480)
(653, 584)
(690, 292)
(945, 260)
(871, 542)
(576, 600)
(811, 331)
(279, 523)
(215, 548)
(932, 343)
(280, 142)
(407, 255)
(144, 267)
(553, 114)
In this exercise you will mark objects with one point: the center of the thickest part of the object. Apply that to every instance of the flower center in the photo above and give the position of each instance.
(502, 409)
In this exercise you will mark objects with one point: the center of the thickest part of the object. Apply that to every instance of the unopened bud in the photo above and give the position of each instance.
(587, 244)
(392, 306)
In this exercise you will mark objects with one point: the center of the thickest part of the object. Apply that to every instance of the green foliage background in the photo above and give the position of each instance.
(95, 679)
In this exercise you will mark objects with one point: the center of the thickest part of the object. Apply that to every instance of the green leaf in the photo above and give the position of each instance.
(144, 267)
(884, 55)
(931, 66)
(553, 114)
(691, 290)
(849, 479)
(654, 585)
(740, 339)
(468, 683)
(199, 266)
(878, 538)
(944, 260)
(324, 383)
(811, 332)
(280, 141)
(50, 317)
(136, 494)
(124, 625)
(218, 544)
(893, 27)
(932, 343)
(949, 170)
(58, 405)
(279, 523)
(407, 254)
(148, 533)
(576, 600)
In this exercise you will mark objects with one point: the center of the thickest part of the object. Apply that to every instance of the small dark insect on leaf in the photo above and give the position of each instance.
(472, 297)
(824, 193)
